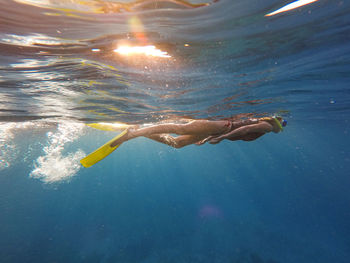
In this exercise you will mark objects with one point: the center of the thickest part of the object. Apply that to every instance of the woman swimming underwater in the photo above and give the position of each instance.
(201, 131)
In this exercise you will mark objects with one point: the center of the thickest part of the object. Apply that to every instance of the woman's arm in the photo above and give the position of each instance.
(262, 127)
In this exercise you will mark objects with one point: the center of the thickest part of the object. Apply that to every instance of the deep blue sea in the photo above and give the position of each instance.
(283, 198)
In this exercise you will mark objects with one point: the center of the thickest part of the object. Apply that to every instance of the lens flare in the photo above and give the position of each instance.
(137, 29)
(291, 6)
(149, 50)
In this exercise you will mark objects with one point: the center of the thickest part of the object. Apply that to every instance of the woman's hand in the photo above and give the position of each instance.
(205, 140)
(216, 140)
(211, 140)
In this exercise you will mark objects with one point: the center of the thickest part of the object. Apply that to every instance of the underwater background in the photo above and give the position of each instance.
(282, 198)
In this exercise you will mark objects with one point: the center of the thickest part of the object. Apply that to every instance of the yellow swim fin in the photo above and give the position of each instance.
(105, 126)
(101, 152)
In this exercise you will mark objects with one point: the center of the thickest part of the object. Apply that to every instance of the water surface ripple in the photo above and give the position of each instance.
(58, 59)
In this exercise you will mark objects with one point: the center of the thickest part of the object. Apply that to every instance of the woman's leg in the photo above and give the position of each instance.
(196, 127)
(200, 128)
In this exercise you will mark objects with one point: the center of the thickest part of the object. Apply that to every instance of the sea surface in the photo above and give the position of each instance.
(283, 198)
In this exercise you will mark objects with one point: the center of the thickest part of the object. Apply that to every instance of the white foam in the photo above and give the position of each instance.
(56, 166)
(8, 148)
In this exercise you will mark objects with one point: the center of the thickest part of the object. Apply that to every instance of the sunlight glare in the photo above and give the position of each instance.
(141, 50)
(291, 6)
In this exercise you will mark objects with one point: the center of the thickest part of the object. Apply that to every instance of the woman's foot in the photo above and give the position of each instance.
(127, 136)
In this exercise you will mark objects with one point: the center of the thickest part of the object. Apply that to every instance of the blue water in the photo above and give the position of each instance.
(282, 198)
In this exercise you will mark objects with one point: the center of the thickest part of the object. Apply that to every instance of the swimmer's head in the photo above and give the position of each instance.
(280, 122)
(277, 121)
